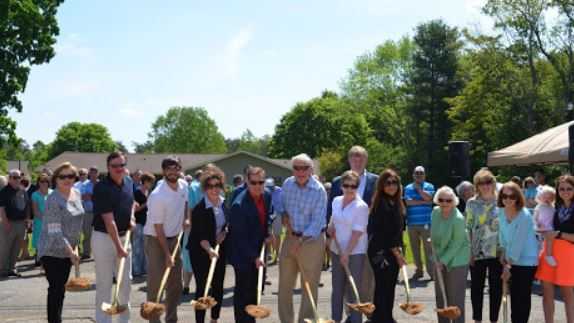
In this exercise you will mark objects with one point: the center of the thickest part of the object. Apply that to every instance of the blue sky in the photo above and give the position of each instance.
(124, 63)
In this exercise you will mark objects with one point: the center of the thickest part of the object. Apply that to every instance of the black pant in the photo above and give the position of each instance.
(520, 292)
(385, 283)
(478, 277)
(57, 273)
(245, 293)
(200, 263)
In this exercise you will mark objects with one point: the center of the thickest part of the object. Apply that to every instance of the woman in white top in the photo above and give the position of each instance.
(347, 228)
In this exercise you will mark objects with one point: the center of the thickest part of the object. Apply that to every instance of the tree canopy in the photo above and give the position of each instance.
(185, 130)
(28, 30)
(82, 137)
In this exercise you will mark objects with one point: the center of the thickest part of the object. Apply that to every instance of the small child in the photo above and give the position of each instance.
(544, 217)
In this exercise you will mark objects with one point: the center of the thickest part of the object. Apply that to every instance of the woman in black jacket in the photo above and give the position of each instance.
(385, 230)
(208, 229)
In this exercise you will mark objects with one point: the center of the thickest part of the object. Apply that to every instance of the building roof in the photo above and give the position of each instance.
(152, 162)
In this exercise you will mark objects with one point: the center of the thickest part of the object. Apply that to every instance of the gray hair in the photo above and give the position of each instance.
(463, 186)
(446, 191)
(14, 172)
(302, 158)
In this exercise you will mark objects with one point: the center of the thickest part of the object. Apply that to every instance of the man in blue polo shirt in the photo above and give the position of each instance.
(418, 197)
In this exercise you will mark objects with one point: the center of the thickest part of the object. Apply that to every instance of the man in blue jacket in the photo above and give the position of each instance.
(249, 229)
(358, 158)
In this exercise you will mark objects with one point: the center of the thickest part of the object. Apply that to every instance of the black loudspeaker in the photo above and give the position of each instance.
(571, 148)
(459, 159)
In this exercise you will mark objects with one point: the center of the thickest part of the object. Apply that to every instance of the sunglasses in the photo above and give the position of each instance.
(508, 196)
(391, 183)
(566, 189)
(69, 176)
(254, 183)
(301, 168)
(118, 165)
(212, 186)
(350, 186)
(445, 200)
(15, 177)
(485, 183)
(419, 173)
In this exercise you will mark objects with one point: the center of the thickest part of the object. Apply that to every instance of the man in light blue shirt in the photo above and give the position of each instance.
(305, 211)
(418, 197)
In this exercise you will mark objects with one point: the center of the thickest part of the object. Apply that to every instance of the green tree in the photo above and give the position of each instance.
(490, 110)
(82, 137)
(433, 79)
(248, 142)
(28, 30)
(546, 26)
(326, 123)
(186, 130)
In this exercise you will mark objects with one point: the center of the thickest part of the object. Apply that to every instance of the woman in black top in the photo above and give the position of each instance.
(140, 196)
(385, 230)
(208, 229)
(563, 248)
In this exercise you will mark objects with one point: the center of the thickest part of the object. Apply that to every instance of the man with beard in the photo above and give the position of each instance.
(167, 212)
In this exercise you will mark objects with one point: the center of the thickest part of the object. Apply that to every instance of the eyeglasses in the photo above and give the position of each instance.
(176, 168)
(566, 189)
(82, 174)
(508, 196)
(391, 183)
(254, 183)
(118, 165)
(301, 168)
(212, 186)
(68, 176)
(419, 173)
(445, 200)
(350, 186)
(485, 183)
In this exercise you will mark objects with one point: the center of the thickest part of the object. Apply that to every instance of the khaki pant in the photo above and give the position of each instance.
(419, 234)
(310, 258)
(155, 270)
(107, 261)
(10, 243)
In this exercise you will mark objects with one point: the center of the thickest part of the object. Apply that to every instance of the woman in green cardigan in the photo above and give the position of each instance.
(451, 245)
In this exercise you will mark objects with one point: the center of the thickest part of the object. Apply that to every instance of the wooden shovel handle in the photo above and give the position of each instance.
(120, 272)
(168, 269)
(211, 271)
(260, 274)
(348, 272)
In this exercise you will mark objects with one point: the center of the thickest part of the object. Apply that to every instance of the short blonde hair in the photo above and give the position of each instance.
(357, 150)
(546, 189)
(61, 168)
(446, 191)
(484, 175)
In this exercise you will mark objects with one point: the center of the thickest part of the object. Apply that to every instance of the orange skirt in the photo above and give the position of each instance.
(563, 273)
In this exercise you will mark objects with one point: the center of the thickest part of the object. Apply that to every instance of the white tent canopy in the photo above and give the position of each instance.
(548, 147)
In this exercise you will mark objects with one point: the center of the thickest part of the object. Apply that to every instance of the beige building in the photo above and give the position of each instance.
(231, 164)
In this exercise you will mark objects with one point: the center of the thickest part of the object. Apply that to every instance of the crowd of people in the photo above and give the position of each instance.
(513, 233)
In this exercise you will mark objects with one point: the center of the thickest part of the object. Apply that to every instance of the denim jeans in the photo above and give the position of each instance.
(138, 254)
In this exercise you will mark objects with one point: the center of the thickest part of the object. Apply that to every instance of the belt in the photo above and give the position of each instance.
(300, 234)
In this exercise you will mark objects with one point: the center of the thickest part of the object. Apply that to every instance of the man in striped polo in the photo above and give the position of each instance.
(418, 197)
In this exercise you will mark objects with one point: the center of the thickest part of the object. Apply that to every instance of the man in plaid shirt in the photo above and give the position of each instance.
(305, 207)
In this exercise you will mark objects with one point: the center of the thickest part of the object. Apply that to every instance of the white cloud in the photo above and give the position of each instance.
(73, 45)
(233, 49)
(131, 112)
